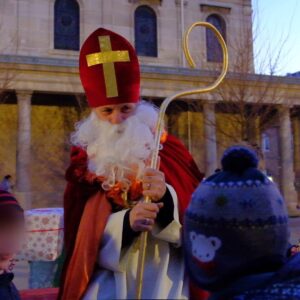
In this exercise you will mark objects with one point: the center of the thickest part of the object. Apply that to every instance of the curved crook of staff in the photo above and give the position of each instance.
(160, 127)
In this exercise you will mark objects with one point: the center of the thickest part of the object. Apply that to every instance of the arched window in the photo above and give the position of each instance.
(213, 47)
(145, 31)
(66, 25)
(266, 143)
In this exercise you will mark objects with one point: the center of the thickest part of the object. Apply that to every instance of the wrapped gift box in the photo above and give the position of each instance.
(44, 238)
(40, 294)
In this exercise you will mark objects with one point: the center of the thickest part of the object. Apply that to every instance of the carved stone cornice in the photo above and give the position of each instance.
(178, 2)
(215, 8)
(156, 2)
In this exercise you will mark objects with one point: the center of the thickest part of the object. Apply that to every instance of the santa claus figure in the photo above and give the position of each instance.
(108, 179)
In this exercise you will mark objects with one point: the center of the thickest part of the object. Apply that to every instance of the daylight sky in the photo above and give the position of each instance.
(277, 27)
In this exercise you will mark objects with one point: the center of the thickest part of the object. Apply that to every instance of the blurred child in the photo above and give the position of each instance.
(6, 184)
(236, 234)
(11, 234)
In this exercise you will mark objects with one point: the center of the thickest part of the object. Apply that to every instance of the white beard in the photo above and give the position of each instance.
(120, 152)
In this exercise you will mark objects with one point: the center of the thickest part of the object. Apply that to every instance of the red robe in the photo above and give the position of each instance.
(87, 206)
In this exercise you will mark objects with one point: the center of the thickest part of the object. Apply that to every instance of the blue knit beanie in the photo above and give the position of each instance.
(236, 223)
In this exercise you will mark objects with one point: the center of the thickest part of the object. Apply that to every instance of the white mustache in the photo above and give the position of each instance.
(119, 147)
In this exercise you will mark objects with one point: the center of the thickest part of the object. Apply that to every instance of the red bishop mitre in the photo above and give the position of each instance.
(109, 69)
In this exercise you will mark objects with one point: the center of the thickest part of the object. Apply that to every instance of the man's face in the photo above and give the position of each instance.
(115, 114)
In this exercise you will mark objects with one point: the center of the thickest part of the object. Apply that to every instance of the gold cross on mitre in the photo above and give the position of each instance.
(107, 57)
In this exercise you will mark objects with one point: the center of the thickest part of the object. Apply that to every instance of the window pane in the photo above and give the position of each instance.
(66, 25)
(145, 31)
(266, 144)
(213, 47)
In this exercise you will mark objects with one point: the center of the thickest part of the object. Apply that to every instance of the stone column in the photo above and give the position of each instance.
(210, 138)
(23, 148)
(252, 130)
(287, 160)
(296, 132)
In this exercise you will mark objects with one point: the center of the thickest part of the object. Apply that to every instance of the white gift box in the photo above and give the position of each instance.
(44, 234)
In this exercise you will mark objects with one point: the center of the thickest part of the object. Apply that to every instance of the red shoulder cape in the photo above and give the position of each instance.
(85, 205)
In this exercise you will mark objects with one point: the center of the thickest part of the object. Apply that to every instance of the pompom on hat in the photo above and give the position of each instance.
(109, 69)
(236, 223)
(237, 159)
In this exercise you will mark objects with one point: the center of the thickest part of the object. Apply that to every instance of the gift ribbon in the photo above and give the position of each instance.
(45, 230)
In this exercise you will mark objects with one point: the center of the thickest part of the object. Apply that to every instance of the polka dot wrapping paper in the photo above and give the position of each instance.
(44, 235)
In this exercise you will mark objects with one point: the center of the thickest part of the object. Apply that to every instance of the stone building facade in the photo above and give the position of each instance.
(42, 98)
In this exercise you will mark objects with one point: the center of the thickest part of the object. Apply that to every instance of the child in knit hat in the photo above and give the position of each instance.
(11, 231)
(236, 234)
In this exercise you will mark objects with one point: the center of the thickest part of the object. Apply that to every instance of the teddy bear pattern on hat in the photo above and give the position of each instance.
(236, 223)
